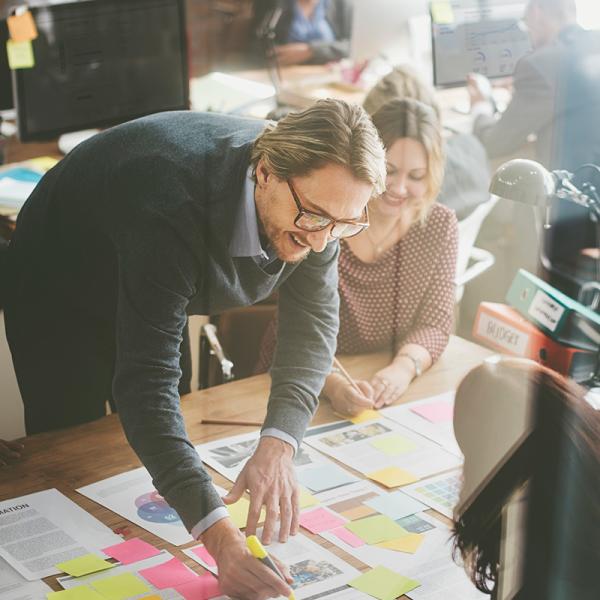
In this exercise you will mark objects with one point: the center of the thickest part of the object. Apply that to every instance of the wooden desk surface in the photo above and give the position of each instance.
(78, 456)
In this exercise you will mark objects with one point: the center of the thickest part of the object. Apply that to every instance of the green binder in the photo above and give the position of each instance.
(558, 316)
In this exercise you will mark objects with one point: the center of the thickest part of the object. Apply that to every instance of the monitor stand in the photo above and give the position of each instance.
(68, 141)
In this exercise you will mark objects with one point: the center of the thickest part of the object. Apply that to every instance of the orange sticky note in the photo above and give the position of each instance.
(392, 477)
(22, 27)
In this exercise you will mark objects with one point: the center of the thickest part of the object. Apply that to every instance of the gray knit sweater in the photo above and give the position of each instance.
(134, 227)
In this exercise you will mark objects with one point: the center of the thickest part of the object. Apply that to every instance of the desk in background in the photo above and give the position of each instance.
(71, 458)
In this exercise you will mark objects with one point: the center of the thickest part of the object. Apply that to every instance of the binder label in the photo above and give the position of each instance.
(500, 334)
(546, 310)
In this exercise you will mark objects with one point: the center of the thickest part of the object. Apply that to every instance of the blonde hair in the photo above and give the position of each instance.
(408, 118)
(403, 82)
(328, 132)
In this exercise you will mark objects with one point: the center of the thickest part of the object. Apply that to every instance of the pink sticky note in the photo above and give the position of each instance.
(202, 553)
(203, 588)
(131, 551)
(436, 412)
(169, 574)
(320, 520)
(347, 536)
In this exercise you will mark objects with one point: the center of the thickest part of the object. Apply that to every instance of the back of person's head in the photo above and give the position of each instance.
(328, 132)
(408, 118)
(563, 10)
(497, 407)
(403, 81)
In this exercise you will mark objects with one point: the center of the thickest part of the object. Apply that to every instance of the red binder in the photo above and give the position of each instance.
(503, 328)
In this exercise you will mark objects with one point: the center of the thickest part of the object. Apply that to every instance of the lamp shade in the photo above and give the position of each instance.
(523, 181)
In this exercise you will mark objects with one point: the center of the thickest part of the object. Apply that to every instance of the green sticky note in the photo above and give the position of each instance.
(377, 529)
(120, 587)
(83, 592)
(442, 13)
(383, 583)
(20, 56)
(393, 445)
(84, 565)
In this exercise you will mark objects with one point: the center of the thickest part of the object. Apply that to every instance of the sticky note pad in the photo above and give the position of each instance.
(20, 56)
(359, 512)
(169, 574)
(307, 500)
(202, 553)
(83, 592)
(22, 27)
(392, 477)
(436, 412)
(383, 583)
(238, 511)
(319, 520)
(396, 505)
(347, 536)
(366, 415)
(408, 544)
(374, 530)
(120, 587)
(393, 445)
(84, 565)
(43, 162)
(442, 13)
(131, 551)
(324, 478)
(153, 597)
(202, 588)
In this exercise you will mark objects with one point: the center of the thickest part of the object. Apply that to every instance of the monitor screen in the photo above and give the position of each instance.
(476, 36)
(102, 62)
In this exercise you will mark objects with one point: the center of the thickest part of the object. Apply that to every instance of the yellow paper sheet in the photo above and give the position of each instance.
(307, 500)
(43, 162)
(84, 565)
(442, 13)
(239, 512)
(20, 56)
(408, 544)
(394, 445)
(383, 583)
(120, 587)
(392, 477)
(367, 415)
(83, 592)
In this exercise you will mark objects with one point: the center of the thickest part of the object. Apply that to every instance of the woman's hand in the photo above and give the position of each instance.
(390, 383)
(345, 399)
(9, 450)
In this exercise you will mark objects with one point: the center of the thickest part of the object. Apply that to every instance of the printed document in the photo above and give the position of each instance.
(13, 586)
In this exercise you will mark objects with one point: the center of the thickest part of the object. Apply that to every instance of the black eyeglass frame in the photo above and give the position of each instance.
(330, 221)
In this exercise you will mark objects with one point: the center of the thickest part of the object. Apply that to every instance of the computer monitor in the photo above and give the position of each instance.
(380, 29)
(477, 36)
(102, 62)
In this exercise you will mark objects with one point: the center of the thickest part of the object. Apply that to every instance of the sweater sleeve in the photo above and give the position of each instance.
(433, 322)
(307, 327)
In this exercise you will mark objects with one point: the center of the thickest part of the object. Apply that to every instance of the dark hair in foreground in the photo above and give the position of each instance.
(564, 500)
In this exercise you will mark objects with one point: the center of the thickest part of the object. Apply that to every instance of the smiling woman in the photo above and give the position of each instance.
(396, 277)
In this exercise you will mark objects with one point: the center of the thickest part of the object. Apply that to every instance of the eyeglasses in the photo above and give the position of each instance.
(312, 221)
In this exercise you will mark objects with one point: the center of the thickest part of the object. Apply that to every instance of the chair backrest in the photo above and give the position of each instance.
(468, 230)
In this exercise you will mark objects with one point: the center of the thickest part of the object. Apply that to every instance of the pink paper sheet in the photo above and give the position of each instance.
(202, 553)
(347, 536)
(320, 520)
(131, 551)
(169, 574)
(203, 588)
(436, 412)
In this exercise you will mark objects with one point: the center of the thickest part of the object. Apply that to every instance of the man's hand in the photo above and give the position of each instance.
(241, 575)
(9, 450)
(271, 481)
(479, 88)
(345, 399)
(293, 54)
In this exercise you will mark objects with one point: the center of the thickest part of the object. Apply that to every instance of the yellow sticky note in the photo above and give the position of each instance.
(43, 162)
(408, 544)
(239, 512)
(83, 592)
(393, 445)
(84, 565)
(307, 500)
(367, 415)
(392, 477)
(120, 587)
(442, 13)
(383, 583)
(374, 530)
(22, 27)
(153, 597)
(20, 56)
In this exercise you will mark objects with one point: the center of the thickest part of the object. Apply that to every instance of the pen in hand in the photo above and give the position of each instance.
(257, 550)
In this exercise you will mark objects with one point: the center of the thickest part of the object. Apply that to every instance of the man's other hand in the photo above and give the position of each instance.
(271, 481)
(9, 450)
(242, 575)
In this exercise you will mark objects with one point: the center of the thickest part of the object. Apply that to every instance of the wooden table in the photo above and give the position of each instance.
(78, 456)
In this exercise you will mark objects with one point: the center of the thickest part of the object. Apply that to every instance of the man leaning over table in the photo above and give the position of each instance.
(190, 213)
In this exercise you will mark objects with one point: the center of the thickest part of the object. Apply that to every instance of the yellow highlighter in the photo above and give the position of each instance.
(257, 550)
